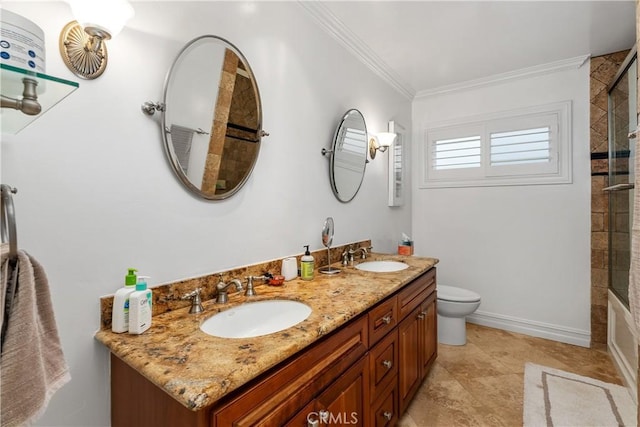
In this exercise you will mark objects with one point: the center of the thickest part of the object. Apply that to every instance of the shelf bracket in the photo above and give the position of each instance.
(28, 104)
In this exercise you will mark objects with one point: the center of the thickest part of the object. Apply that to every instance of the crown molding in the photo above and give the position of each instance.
(537, 70)
(334, 27)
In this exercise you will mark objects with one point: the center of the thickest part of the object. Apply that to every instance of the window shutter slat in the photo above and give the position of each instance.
(457, 153)
(521, 146)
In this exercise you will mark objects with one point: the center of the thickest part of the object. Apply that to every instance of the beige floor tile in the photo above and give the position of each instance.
(482, 382)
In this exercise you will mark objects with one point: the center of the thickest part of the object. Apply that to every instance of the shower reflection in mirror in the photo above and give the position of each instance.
(211, 117)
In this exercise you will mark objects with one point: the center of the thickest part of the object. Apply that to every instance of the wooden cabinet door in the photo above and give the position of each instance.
(409, 355)
(343, 403)
(429, 334)
(418, 347)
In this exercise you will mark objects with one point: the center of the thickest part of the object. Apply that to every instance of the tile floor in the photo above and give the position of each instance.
(482, 383)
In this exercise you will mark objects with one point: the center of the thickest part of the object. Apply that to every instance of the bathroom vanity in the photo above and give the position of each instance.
(357, 359)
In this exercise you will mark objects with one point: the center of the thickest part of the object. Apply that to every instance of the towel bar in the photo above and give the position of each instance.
(9, 234)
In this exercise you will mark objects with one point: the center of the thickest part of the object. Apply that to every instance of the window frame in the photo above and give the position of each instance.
(558, 171)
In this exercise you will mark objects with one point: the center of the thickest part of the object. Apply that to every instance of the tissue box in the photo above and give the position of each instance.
(405, 248)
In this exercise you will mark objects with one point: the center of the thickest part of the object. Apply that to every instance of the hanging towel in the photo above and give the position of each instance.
(181, 137)
(32, 365)
(634, 269)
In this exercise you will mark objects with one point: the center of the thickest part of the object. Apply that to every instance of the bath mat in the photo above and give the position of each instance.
(557, 398)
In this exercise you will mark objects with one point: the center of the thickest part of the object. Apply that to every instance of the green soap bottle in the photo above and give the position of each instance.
(307, 265)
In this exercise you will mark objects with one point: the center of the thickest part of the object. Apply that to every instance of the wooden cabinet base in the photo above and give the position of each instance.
(136, 401)
(363, 374)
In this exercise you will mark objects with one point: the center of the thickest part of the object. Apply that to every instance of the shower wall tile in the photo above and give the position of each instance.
(603, 69)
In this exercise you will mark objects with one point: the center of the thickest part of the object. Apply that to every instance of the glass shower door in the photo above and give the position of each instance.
(622, 121)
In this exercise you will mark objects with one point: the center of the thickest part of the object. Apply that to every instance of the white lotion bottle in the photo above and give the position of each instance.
(140, 307)
(120, 309)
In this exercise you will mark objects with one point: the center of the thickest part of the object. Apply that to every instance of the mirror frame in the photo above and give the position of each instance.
(327, 232)
(332, 152)
(173, 160)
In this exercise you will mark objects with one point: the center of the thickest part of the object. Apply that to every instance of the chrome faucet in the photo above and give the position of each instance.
(222, 287)
(196, 302)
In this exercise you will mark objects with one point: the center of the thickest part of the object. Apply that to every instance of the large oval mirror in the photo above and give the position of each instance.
(212, 120)
(348, 156)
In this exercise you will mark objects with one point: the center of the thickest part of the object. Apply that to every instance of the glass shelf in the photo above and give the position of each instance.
(50, 91)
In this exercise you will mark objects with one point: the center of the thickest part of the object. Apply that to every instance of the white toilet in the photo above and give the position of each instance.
(454, 305)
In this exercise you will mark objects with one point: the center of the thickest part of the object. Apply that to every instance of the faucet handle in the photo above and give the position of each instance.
(345, 258)
(250, 292)
(196, 302)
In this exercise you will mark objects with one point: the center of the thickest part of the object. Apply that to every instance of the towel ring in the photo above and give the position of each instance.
(9, 233)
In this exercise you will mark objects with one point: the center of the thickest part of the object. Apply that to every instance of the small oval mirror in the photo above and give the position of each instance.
(212, 122)
(327, 239)
(348, 156)
(327, 232)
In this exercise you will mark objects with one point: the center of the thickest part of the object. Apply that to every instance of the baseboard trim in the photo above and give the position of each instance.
(533, 328)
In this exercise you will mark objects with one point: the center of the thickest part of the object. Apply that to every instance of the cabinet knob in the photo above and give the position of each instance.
(387, 364)
(388, 415)
(424, 313)
(420, 316)
(387, 319)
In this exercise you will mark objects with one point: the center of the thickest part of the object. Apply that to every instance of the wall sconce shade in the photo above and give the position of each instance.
(380, 142)
(82, 41)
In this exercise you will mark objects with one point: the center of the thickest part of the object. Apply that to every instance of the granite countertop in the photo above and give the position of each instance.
(198, 369)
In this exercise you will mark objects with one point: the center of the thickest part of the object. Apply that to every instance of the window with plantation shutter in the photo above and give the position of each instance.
(531, 146)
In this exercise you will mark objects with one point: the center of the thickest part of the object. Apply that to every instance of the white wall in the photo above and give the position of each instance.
(524, 249)
(96, 194)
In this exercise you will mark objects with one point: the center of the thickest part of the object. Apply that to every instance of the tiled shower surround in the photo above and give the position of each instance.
(603, 70)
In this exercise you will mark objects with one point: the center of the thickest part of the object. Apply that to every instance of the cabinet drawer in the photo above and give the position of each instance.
(342, 403)
(410, 297)
(382, 319)
(383, 364)
(384, 412)
(275, 398)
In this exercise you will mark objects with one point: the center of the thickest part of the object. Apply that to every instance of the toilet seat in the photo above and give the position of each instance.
(453, 294)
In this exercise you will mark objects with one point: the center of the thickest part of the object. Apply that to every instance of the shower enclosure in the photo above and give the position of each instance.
(621, 336)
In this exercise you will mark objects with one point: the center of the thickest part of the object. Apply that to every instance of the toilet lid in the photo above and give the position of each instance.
(451, 293)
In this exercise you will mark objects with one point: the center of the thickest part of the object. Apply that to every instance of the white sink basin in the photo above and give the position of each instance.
(254, 319)
(382, 266)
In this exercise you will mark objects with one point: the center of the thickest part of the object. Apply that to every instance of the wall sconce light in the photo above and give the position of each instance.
(82, 41)
(380, 142)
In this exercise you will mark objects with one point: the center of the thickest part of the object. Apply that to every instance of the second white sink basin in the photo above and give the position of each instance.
(382, 266)
(254, 319)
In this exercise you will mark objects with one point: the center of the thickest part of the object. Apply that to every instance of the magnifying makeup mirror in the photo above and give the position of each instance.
(327, 238)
